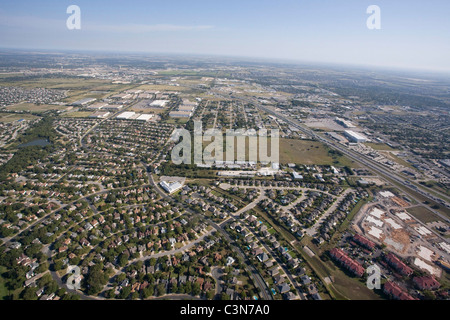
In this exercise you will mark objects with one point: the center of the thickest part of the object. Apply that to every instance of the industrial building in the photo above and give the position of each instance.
(126, 115)
(96, 106)
(344, 123)
(100, 114)
(159, 103)
(354, 136)
(144, 117)
(180, 114)
(83, 102)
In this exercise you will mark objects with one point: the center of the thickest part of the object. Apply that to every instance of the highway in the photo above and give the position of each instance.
(374, 166)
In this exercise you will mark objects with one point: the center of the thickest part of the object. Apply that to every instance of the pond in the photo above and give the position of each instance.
(37, 142)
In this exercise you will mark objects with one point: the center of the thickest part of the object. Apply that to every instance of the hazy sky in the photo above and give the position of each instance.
(414, 34)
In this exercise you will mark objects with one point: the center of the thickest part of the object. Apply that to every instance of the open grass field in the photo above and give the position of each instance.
(162, 88)
(423, 214)
(309, 152)
(148, 110)
(379, 146)
(10, 117)
(76, 114)
(58, 83)
(34, 107)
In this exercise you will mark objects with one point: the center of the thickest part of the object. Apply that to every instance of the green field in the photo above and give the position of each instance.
(423, 214)
(155, 87)
(10, 117)
(77, 114)
(379, 146)
(309, 152)
(34, 107)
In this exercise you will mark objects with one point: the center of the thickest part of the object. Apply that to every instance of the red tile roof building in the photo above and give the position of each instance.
(364, 241)
(398, 265)
(392, 289)
(426, 283)
(350, 264)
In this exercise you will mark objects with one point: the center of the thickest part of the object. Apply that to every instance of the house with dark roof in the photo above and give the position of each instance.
(426, 283)
(363, 241)
(283, 288)
(393, 290)
(398, 265)
(348, 263)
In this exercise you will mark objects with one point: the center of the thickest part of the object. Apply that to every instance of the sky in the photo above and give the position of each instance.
(413, 35)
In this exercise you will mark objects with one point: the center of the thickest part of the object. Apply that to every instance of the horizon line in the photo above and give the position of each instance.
(228, 56)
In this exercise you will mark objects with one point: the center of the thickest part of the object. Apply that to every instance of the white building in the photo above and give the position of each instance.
(158, 103)
(171, 187)
(355, 136)
(126, 115)
(297, 176)
(144, 117)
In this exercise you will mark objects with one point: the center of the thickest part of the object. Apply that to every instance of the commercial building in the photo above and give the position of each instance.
(171, 187)
(354, 136)
(144, 117)
(297, 175)
(100, 114)
(344, 123)
(83, 102)
(159, 103)
(96, 106)
(180, 114)
(113, 107)
(126, 115)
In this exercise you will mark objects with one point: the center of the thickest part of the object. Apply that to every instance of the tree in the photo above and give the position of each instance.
(210, 295)
(125, 292)
(95, 280)
(123, 259)
(196, 289)
(148, 292)
(161, 289)
(224, 296)
(29, 293)
(110, 294)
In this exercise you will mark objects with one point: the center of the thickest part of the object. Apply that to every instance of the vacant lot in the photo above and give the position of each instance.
(423, 214)
(10, 117)
(155, 87)
(34, 107)
(77, 114)
(379, 146)
(309, 152)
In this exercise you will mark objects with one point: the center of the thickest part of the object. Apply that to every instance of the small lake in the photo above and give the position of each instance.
(37, 142)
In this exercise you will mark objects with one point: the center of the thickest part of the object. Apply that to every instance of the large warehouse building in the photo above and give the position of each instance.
(354, 136)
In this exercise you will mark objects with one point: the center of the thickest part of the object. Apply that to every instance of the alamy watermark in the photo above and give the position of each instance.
(74, 20)
(74, 280)
(374, 278)
(374, 20)
(238, 145)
